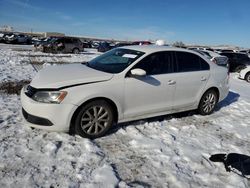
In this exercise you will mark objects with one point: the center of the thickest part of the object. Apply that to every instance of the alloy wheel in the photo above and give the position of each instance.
(209, 102)
(94, 120)
(76, 51)
(248, 77)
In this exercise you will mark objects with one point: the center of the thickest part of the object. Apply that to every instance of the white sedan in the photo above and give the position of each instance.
(124, 84)
(245, 74)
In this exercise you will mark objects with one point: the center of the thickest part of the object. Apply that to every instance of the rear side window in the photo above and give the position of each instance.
(68, 40)
(204, 65)
(187, 62)
(75, 41)
(59, 41)
(156, 63)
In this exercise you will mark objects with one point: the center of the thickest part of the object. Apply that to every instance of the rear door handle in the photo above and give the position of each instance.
(171, 82)
(203, 78)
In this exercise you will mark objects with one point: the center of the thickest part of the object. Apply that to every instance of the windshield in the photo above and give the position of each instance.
(52, 40)
(115, 61)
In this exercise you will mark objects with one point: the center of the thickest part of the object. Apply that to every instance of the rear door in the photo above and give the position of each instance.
(78, 44)
(154, 92)
(68, 45)
(191, 75)
(59, 45)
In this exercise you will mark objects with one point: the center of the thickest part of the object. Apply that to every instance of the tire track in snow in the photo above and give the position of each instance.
(175, 152)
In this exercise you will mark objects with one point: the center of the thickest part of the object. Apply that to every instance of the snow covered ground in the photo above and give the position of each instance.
(169, 151)
(17, 47)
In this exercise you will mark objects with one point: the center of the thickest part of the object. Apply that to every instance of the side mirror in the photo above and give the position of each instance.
(138, 72)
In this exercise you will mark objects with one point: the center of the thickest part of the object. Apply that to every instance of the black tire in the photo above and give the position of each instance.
(208, 102)
(76, 51)
(247, 77)
(91, 126)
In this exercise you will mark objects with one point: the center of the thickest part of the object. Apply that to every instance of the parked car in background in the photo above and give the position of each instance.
(200, 48)
(104, 47)
(17, 39)
(246, 52)
(6, 35)
(86, 44)
(245, 74)
(141, 43)
(227, 51)
(120, 44)
(36, 41)
(2, 35)
(10, 38)
(237, 61)
(215, 57)
(38, 44)
(63, 45)
(123, 84)
(95, 44)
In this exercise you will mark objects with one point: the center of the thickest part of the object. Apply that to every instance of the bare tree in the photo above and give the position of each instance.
(179, 44)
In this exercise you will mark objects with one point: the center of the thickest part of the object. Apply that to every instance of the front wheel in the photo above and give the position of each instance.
(94, 119)
(208, 102)
(248, 77)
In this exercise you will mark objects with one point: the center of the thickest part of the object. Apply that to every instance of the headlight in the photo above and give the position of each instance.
(49, 96)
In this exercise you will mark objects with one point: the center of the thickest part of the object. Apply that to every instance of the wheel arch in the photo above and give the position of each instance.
(212, 88)
(75, 48)
(109, 101)
(247, 73)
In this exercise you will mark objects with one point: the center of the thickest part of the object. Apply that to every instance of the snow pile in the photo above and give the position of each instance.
(13, 67)
(167, 151)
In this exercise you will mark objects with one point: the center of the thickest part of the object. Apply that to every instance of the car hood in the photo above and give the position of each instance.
(61, 76)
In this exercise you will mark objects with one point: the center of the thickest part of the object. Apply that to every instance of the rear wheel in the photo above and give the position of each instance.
(76, 51)
(94, 119)
(248, 77)
(208, 102)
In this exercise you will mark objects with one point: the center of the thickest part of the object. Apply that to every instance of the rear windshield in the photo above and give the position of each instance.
(243, 57)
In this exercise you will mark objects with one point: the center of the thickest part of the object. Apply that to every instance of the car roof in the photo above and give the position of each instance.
(154, 48)
(233, 53)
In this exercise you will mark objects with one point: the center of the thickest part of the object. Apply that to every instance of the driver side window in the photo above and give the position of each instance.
(156, 63)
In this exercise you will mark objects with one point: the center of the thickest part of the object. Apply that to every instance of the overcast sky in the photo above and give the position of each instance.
(210, 22)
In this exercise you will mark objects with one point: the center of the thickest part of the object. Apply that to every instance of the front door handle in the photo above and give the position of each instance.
(171, 82)
(203, 78)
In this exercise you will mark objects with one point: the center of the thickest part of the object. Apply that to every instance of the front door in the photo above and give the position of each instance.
(153, 93)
